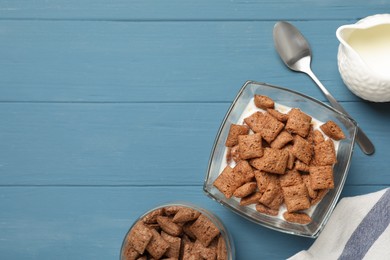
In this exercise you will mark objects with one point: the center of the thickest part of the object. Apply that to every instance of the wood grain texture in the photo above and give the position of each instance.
(109, 108)
(90, 222)
(65, 61)
(191, 10)
(138, 144)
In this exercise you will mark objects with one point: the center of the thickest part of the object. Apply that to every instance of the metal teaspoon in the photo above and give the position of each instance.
(296, 54)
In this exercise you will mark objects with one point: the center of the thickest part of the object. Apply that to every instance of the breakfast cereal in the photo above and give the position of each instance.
(278, 115)
(324, 153)
(301, 166)
(234, 132)
(281, 140)
(332, 130)
(270, 127)
(265, 210)
(273, 161)
(204, 230)
(251, 199)
(157, 245)
(318, 137)
(296, 197)
(302, 149)
(221, 249)
(140, 237)
(271, 197)
(283, 159)
(263, 102)
(250, 146)
(168, 226)
(298, 122)
(185, 215)
(296, 217)
(174, 245)
(226, 182)
(292, 177)
(321, 177)
(312, 193)
(245, 190)
(194, 237)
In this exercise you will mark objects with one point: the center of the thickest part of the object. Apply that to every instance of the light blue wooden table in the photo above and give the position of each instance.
(109, 108)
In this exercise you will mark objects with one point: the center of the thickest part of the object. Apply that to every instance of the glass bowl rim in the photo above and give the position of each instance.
(343, 179)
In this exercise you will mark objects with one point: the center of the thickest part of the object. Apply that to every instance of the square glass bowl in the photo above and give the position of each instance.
(319, 213)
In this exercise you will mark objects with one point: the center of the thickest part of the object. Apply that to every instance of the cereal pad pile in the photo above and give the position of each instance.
(279, 158)
(174, 232)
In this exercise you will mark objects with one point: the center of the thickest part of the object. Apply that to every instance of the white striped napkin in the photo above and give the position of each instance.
(358, 229)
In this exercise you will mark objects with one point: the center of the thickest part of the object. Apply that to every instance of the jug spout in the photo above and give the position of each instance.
(368, 26)
(344, 32)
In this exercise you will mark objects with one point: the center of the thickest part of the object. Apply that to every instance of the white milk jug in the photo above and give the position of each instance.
(364, 57)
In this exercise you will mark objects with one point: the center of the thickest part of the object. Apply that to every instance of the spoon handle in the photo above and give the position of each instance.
(361, 138)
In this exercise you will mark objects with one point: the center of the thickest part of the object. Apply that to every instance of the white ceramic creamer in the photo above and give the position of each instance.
(364, 57)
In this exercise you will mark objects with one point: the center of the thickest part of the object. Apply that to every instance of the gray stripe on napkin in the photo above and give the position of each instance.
(368, 231)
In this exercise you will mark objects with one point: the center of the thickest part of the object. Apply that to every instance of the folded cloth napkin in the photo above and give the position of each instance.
(357, 229)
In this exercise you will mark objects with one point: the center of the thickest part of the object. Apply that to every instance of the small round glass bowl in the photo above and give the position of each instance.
(169, 209)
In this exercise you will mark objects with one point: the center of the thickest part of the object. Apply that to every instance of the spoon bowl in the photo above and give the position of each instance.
(295, 52)
(291, 53)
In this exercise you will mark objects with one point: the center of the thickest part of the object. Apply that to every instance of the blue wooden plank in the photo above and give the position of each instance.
(109, 108)
(190, 10)
(90, 222)
(93, 144)
(170, 61)
(140, 143)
